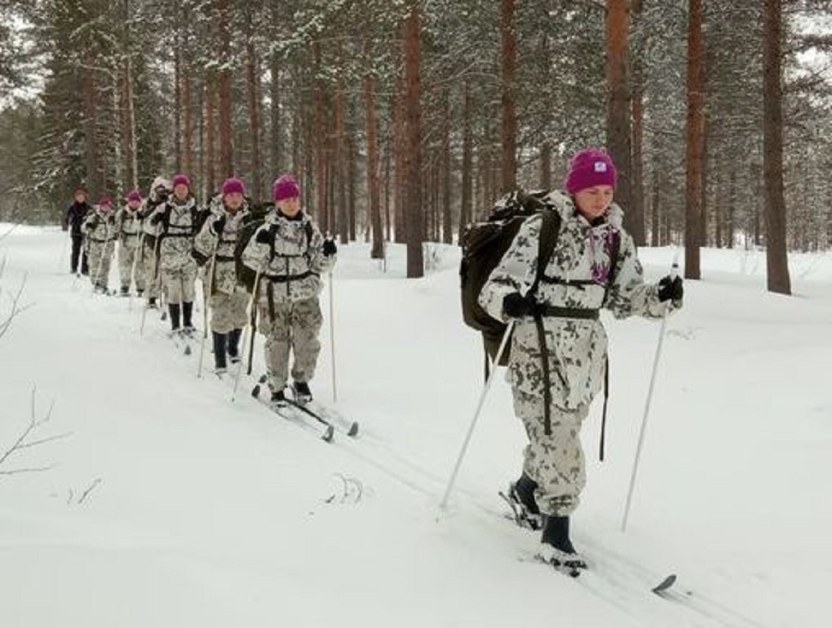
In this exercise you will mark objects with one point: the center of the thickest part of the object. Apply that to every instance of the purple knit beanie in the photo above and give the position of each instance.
(134, 195)
(181, 179)
(232, 185)
(105, 201)
(588, 168)
(285, 187)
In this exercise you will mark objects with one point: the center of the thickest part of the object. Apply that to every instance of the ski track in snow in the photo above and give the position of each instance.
(202, 512)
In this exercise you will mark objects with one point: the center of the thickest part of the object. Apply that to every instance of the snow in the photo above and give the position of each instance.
(200, 512)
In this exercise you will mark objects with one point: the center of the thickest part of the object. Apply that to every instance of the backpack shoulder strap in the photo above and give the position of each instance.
(310, 231)
(549, 232)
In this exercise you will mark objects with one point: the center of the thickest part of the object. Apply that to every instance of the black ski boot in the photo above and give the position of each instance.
(151, 303)
(173, 309)
(557, 547)
(125, 291)
(302, 393)
(220, 340)
(234, 345)
(278, 399)
(187, 312)
(521, 499)
(139, 293)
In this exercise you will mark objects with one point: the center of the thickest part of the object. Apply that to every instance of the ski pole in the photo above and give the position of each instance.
(136, 253)
(252, 304)
(444, 503)
(205, 292)
(332, 338)
(157, 279)
(674, 270)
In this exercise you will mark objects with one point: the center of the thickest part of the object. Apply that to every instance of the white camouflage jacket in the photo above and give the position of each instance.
(290, 269)
(225, 275)
(576, 277)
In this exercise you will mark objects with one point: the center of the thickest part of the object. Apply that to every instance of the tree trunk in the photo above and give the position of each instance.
(399, 152)
(414, 215)
(276, 144)
(253, 81)
(226, 135)
(446, 168)
(618, 110)
(187, 120)
(210, 129)
(695, 140)
(636, 206)
(377, 251)
(777, 263)
(320, 139)
(467, 160)
(509, 96)
(732, 189)
(545, 175)
(177, 113)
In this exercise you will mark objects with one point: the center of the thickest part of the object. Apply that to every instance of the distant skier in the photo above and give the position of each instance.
(179, 220)
(593, 266)
(73, 219)
(148, 261)
(291, 254)
(228, 299)
(129, 230)
(100, 232)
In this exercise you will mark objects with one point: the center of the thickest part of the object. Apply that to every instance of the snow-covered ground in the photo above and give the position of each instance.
(170, 506)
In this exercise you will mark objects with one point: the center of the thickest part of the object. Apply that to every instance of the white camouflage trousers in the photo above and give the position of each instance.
(556, 461)
(99, 261)
(178, 283)
(229, 311)
(126, 258)
(294, 331)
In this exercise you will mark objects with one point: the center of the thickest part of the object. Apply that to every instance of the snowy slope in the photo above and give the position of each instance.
(206, 513)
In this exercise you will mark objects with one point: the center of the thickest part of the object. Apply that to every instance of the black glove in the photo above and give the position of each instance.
(219, 225)
(515, 305)
(670, 289)
(329, 247)
(264, 237)
(93, 223)
(155, 219)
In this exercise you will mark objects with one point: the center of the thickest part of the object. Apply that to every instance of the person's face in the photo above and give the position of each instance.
(80, 197)
(181, 191)
(233, 201)
(289, 206)
(595, 201)
(134, 204)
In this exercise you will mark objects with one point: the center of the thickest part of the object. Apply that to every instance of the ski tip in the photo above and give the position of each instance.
(262, 379)
(328, 434)
(665, 584)
(188, 350)
(353, 431)
(255, 392)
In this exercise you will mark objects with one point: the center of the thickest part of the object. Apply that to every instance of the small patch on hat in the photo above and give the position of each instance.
(600, 166)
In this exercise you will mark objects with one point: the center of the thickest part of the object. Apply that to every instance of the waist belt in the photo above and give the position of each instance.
(224, 258)
(569, 312)
(176, 235)
(100, 240)
(288, 278)
(568, 282)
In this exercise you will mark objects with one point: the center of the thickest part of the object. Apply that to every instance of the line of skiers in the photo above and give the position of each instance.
(261, 262)
(558, 352)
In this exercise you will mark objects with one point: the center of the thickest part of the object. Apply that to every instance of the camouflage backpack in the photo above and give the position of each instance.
(483, 246)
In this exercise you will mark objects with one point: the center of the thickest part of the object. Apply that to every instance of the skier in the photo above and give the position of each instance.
(148, 261)
(290, 254)
(100, 231)
(593, 265)
(178, 220)
(129, 230)
(215, 245)
(74, 217)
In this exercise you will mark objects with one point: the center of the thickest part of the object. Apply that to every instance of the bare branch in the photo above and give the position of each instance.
(24, 441)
